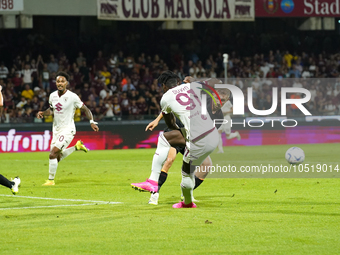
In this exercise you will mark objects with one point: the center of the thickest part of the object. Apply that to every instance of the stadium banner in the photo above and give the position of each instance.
(24, 139)
(11, 5)
(180, 10)
(297, 8)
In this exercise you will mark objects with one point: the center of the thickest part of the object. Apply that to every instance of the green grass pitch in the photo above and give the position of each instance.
(234, 215)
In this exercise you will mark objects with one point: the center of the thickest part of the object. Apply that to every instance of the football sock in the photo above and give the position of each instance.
(187, 186)
(67, 152)
(5, 182)
(220, 144)
(231, 136)
(159, 158)
(161, 180)
(52, 168)
(198, 182)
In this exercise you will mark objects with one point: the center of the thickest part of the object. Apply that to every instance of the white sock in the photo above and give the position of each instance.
(220, 144)
(159, 158)
(53, 168)
(67, 152)
(231, 136)
(187, 186)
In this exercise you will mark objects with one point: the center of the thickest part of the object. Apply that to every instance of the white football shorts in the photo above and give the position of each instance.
(198, 151)
(62, 139)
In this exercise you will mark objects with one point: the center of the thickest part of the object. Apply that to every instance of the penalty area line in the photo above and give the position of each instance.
(62, 199)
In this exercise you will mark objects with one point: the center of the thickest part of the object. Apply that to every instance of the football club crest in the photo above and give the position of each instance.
(270, 6)
(287, 6)
(65, 99)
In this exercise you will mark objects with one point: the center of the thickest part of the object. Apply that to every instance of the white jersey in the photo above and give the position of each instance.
(63, 108)
(227, 108)
(185, 102)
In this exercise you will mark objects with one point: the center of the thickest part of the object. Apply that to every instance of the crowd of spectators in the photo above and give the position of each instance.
(119, 86)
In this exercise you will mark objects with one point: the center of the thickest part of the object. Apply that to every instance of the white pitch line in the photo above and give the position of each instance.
(62, 199)
(45, 206)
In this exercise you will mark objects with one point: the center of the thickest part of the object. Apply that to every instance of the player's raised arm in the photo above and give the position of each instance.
(89, 115)
(41, 114)
(151, 126)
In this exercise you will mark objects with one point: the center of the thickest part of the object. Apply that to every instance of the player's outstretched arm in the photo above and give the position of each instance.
(41, 114)
(151, 126)
(89, 115)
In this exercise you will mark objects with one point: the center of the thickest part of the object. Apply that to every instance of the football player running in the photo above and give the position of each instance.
(63, 104)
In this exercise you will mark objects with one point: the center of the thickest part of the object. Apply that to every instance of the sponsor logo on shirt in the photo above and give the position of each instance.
(58, 107)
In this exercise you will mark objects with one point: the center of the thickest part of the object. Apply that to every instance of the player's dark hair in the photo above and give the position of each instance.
(64, 74)
(169, 79)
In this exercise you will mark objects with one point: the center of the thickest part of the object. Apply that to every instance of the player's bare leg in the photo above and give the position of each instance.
(175, 138)
(170, 160)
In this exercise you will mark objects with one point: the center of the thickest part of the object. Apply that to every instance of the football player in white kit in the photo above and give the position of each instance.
(63, 104)
(199, 131)
(160, 167)
(227, 110)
